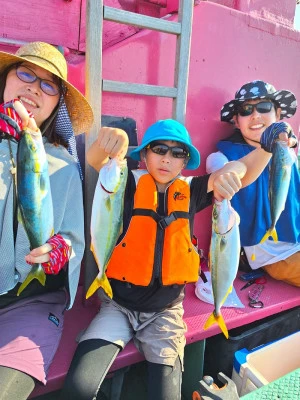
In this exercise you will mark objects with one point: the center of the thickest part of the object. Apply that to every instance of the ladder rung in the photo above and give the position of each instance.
(138, 88)
(143, 21)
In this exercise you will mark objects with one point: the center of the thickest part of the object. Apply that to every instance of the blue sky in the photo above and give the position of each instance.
(297, 17)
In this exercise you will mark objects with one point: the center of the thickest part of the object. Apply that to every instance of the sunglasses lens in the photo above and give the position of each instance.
(25, 75)
(264, 107)
(178, 152)
(49, 88)
(160, 149)
(246, 109)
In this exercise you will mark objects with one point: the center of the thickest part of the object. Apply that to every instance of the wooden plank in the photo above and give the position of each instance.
(143, 21)
(56, 21)
(112, 32)
(183, 46)
(139, 88)
(94, 15)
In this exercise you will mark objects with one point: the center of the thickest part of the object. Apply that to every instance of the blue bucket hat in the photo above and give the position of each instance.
(168, 129)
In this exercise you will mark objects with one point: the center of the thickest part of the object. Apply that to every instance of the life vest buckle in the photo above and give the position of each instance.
(166, 221)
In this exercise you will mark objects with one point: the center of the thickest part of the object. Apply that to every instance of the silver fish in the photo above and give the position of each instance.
(107, 218)
(223, 257)
(34, 197)
(279, 182)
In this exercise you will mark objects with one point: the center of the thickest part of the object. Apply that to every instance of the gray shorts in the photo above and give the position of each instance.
(158, 335)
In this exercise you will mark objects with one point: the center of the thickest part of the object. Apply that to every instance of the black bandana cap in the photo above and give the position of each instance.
(285, 99)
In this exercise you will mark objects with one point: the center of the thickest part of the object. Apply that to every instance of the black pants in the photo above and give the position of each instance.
(92, 361)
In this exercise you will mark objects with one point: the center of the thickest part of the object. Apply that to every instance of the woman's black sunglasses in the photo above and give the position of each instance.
(247, 109)
(162, 149)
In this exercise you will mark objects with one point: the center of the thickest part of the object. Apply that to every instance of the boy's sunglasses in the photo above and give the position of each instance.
(25, 74)
(247, 109)
(162, 149)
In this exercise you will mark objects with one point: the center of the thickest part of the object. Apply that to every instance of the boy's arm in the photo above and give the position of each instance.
(110, 143)
(226, 181)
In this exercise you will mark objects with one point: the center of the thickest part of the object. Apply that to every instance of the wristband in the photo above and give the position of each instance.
(59, 255)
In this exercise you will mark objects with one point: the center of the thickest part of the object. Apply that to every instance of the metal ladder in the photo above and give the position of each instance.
(96, 12)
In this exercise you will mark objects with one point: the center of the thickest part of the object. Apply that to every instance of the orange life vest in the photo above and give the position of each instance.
(133, 258)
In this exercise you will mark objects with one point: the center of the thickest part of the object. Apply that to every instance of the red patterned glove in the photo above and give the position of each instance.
(59, 255)
(10, 122)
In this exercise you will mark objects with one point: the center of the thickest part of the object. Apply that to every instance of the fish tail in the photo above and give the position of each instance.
(216, 319)
(97, 283)
(38, 273)
(270, 233)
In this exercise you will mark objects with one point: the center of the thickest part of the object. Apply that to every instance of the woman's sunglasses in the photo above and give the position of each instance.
(247, 109)
(25, 74)
(162, 149)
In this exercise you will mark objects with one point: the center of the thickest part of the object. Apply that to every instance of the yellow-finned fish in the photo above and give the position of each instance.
(279, 182)
(34, 197)
(224, 257)
(107, 218)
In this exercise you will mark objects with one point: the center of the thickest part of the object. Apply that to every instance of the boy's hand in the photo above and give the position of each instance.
(113, 141)
(277, 131)
(227, 181)
(226, 185)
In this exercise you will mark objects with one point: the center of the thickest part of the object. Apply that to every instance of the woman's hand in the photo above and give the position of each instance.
(28, 121)
(53, 255)
(39, 255)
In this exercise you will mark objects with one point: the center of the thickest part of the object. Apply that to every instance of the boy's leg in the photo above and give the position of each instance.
(164, 381)
(88, 369)
(15, 384)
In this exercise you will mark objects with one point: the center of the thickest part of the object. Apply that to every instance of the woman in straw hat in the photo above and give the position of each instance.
(34, 82)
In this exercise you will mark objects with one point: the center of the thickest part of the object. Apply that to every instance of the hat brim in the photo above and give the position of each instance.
(194, 160)
(285, 99)
(80, 111)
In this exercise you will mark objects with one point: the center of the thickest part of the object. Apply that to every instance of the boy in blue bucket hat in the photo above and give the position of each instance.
(149, 277)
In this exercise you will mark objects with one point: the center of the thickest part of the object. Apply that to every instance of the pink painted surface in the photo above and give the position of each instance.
(276, 296)
(55, 21)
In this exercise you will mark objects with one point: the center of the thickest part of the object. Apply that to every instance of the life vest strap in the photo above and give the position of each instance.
(164, 222)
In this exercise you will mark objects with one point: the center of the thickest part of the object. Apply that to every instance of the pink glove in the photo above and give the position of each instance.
(10, 122)
(59, 255)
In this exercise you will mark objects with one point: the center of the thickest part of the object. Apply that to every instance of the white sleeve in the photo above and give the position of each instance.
(215, 161)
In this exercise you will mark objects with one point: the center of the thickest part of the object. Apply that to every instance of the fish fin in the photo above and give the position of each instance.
(270, 232)
(36, 273)
(216, 319)
(97, 283)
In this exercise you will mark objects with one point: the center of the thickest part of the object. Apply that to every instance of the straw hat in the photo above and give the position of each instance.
(48, 57)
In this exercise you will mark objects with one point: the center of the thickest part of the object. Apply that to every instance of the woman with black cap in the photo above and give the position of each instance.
(34, 82)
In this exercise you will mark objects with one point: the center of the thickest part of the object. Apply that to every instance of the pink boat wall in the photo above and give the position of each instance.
(233, 41)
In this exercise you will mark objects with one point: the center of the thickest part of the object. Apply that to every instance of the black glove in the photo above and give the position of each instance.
(271, 134)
